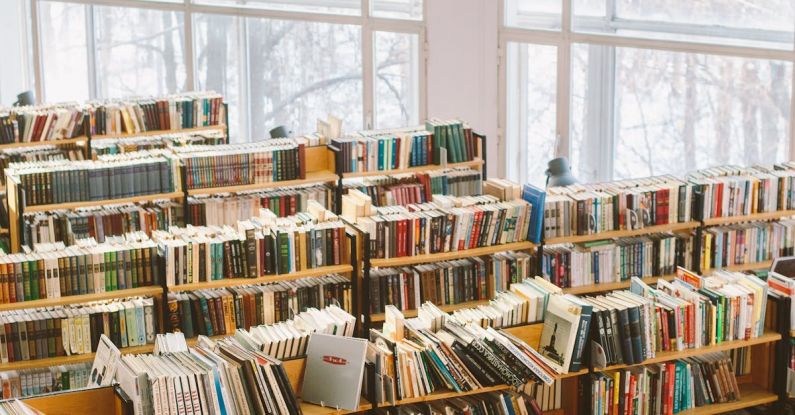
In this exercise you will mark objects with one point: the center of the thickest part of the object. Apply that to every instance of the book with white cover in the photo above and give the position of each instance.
(336, 358)
(106, 361)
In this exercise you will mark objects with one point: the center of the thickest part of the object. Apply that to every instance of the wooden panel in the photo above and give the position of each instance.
(317, 159)
(672, 227)
(295, 371)
(529, 333)
(100, 401)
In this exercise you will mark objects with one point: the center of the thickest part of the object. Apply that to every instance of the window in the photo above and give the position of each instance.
(277, 62)
(649, 88)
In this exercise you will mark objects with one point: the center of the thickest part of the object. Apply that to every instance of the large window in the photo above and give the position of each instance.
(644, 87)
(277, 62)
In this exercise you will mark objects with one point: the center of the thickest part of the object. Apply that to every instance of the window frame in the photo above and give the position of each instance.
(367, 23)
(601, 148)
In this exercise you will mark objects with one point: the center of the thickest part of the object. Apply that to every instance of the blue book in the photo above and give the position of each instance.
(583, 331)
(535, 196)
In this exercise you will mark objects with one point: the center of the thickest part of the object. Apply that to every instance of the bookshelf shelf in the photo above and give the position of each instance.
(311, 177)
(65, 141)
(750, 395)
(445, 256)
(88, 203)
(672, 227)
(610, 286)
(768, 337)
(83, 298)
(749, 218)
(3, 231)
(313, 409)
(232, 282)
(68, 360)
(446, 308)
(430, 167)
(158, 132)
(435, 396)
(743, 267)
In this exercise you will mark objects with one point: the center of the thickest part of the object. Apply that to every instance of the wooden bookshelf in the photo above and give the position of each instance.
(221, 127)
(234, 282)
(68, 360)
(610, 286)
(83, 298)
(90, 203)
(311, 177)
(65, 141)
(750, 395)
(749, 218)
(446, 308)
(742, 267)
(769, 337)
(93, 401)
(672, 227)
(418, 169)
(446, 256)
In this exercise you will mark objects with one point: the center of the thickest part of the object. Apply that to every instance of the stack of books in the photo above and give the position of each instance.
(746, 243)
(41, 123)
(31, 382)
(411, 188)
(98, 222)
(226, 378)
(110, 177)
(665, 388)
(88, 267)
(228, 209)
(242, 164)
(174, 112)
(622, 205)
(40, 333)
(256, 247)
(214, 312)
(150, 142)
(447, 224)
(608, 261)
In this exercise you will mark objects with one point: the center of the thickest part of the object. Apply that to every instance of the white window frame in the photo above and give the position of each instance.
(601, 147)
(369, 25)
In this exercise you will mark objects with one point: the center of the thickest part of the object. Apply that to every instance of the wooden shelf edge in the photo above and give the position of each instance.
(444, 256)
(221, 127)
(44, 143)
(446, 308)
(610, 286)
(90, 203)
(438, 395)
(83, 298)
(750, 395)
(311, 177)
(430, 167)
(768, 337)
(748, 218)
(67, 360)
(235, 282)
(623, 233)
(314, 409)
(742, 267)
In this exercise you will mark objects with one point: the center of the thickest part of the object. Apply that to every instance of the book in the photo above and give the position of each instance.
(535, 197)
(338, 358)
(106, 362)
(38, 123)
(562, 331)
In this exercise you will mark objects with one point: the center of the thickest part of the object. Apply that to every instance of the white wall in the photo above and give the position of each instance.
(13, 76)
(463, 65)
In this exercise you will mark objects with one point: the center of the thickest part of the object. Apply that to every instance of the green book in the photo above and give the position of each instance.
(26, 289)
(33, 267)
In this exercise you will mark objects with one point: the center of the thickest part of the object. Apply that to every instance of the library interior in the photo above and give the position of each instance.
(397, 207)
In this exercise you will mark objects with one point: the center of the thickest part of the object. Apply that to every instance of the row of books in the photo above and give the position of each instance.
(384, 151)
(460, 357)
(40, 333)
(442, 283)
(100, 222)
(258, 247)
(221, 378)
(747, 243)
(689, 312)
(31, 382)
(89, 267)
(507, 402)
(616, 260)
(110, 177)
(228, 209)
(39, 153)
(456, 137)
(242, 164)
(221, 311)
(41, 123)
(446, 224)
(585, 209)
(161, 141)
(665, 388)
(173, 112)
(414, 188)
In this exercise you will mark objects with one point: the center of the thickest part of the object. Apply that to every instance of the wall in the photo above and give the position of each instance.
(13, 76)
(463, 62)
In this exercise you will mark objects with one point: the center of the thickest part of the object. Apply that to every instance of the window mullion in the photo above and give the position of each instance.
(91, 53)
(188, 55)
(38, 74)
(368, 67)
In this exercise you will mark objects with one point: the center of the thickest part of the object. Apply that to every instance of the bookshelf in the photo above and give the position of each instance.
(152, 291)
(379, 317)
(748, 218)
(62, 142)
(96, 401)
(673, 227)
(234, 282)
(610, 286)
(446, 256)
(218, 127)
(68, 360)
(474, 164)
